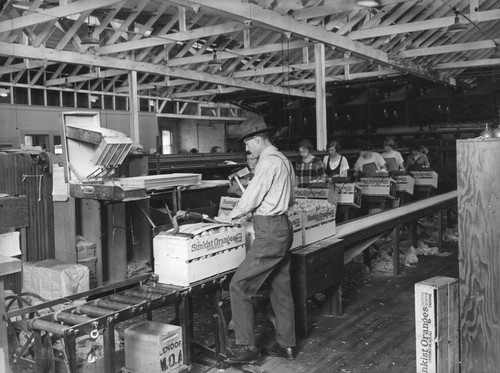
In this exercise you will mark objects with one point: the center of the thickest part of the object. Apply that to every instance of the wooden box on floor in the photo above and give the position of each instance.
(152, 347)
(436, 325)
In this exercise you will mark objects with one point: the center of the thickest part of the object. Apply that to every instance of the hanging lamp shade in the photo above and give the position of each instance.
(215, 61)
(90, 39)
(457, 26)
(368, 3)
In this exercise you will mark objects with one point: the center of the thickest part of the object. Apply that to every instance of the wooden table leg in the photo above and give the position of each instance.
(301, 315)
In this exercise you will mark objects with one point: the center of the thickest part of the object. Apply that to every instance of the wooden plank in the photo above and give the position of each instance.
(478, 183)
(83, 134)
(116, 243)
(65, 230)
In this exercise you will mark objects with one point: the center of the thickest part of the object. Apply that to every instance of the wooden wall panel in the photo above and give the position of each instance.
(23, 174)
(478, 182)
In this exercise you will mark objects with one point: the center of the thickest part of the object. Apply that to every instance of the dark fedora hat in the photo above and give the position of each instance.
(253, 126)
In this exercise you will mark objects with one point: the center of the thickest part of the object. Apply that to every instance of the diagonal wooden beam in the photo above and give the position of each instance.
(84, 77)
(26, 51)
(271, 20)
(47, 15)
(201, 32)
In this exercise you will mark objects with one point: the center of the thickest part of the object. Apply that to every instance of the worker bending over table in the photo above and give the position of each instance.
(369, 162)
(268, 196)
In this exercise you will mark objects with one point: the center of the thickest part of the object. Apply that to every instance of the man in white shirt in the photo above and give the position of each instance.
(268, 196)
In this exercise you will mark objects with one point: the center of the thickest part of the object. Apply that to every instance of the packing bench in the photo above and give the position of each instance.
(319, 267)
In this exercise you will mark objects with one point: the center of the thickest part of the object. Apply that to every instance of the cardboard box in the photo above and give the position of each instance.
(426, 178)
(215, 248)
(52, 279)
(405, 183)
(378, 186)
(153, 346)
(349, 194)
(437, 325)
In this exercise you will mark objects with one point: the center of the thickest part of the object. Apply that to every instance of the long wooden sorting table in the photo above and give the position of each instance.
(320, 266)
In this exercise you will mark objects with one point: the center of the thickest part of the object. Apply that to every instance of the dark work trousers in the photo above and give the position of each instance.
(267, 259)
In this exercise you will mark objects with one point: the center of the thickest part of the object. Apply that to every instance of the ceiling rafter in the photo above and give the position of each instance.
(50, 14)
(26, 51)
(269, 19)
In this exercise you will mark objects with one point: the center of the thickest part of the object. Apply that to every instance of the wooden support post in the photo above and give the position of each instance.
(440, 230)
(186, 321)
(395, 249)
(333, 300)
(116, 250)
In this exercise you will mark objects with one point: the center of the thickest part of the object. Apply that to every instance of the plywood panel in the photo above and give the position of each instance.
(478, 179)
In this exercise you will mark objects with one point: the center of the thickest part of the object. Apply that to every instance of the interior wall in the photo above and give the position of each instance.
(17, 120)
(201, 135)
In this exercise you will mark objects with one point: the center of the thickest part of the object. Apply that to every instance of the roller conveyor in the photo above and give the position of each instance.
(99, 317)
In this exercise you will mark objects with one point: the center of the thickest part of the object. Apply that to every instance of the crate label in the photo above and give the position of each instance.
(217, 242)
(171, 355)
(312, 193)
(227, 204)
(318, 217)
(296, 220)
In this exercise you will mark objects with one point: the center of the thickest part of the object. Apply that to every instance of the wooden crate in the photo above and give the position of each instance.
(437, 325)
(425, 178)
(349, 194)
(152, 347)
(183, 260)
(404, 183)
(378, 186)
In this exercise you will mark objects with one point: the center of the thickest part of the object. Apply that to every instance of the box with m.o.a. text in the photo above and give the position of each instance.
(437, 325)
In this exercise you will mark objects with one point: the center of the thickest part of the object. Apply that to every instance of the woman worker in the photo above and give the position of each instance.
(417, 160)
(393, 159)
(335, 164)
(310, 168)
(369, 162)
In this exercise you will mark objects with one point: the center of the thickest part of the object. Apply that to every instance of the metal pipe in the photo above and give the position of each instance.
(125, 299)
(47, 326)
(110, 305)
(141, 294)
(70, 318)
(93, 311)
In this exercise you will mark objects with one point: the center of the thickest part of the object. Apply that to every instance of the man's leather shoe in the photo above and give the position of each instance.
(243, 355)
(288, 353)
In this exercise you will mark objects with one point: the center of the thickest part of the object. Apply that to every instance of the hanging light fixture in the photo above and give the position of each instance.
(457, 26)
(368, 3)
(215, 61)
(90, 39)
